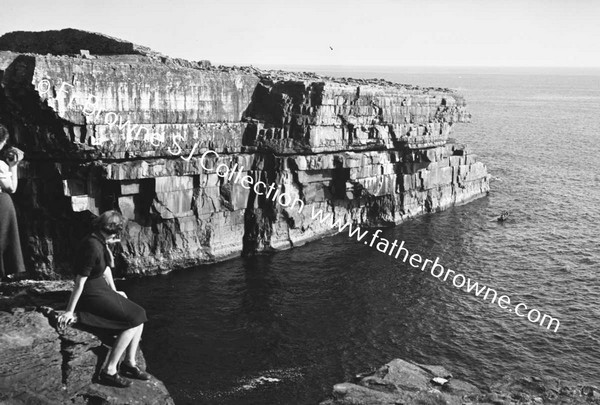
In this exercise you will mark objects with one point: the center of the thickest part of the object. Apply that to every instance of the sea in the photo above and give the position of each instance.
(283, 328)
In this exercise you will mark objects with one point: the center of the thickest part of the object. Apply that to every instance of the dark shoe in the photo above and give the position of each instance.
(115, 380)
(134, 372)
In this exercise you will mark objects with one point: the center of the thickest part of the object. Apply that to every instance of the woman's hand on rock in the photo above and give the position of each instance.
(66, 319)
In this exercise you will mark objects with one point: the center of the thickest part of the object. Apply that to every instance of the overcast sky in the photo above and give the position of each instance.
(367, 32)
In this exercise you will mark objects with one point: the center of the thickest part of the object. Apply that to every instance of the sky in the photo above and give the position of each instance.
(550, 33)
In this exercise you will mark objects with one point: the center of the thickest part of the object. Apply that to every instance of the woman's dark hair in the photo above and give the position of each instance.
(111, 222)
(3, 133)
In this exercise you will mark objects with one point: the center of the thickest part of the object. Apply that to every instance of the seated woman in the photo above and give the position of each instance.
(11, 257)
(99, 304)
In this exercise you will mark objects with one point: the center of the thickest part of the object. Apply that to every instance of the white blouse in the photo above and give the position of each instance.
(4, 170)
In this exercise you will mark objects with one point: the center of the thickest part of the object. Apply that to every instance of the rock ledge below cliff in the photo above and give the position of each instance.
(402, 382)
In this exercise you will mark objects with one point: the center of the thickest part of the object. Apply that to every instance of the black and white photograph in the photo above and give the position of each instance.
(275, 202)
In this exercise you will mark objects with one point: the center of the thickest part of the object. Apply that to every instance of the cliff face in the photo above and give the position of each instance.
(127, 131)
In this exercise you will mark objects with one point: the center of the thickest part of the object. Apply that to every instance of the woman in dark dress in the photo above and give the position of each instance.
(99, 304)
(11, 257)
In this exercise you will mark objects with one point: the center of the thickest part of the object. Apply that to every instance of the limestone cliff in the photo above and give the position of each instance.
(109, 127)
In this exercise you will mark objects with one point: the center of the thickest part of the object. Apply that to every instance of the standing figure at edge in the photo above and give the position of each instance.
(11, 257)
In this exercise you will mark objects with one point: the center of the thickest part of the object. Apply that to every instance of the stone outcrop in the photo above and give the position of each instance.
(403, 382)
(42, 365)
(113, 126)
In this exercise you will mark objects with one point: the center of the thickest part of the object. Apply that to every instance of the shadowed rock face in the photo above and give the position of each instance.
(69, 42)
(106, 130)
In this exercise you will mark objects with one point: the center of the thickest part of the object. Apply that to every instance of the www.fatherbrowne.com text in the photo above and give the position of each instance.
(458, 280)
(384, 246)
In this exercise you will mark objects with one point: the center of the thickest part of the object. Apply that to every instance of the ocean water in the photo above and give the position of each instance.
(283, 328)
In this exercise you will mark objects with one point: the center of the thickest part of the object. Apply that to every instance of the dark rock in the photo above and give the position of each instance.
(68, 42)
(436, 371)
(32, 294)
(204, 64)
(352, 394)
(403, 382)
(398, 382)
(589, 391)
(458, 387)
(42, 365)
(403, 375)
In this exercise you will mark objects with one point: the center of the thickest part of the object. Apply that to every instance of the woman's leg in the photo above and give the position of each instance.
(133, 346)
(123, 340)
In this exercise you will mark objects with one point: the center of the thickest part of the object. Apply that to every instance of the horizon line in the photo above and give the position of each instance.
(410, 66)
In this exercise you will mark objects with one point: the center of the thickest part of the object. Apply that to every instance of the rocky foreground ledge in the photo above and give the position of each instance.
(400, 382)
(42, 365)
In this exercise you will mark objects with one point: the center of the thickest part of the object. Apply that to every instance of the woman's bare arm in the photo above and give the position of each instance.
(15, 178)
(109, 278)
(69, 315)
(76, 293)
(10, 182)
(111, 282)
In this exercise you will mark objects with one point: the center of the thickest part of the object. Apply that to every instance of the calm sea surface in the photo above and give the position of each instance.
(283, 328)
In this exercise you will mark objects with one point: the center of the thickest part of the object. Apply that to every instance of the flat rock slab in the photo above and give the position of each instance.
(402, 382)
(436, 371)
(151, 392)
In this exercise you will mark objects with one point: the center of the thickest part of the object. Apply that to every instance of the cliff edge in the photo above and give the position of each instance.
(106, 124)
(41, 364)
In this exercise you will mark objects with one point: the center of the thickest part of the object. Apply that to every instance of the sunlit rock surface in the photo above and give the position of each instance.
(107, 124)
(404, 382)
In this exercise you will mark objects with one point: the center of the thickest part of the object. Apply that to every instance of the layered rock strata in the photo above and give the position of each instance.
(42, 365)
(105, 130)
(404, 382)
